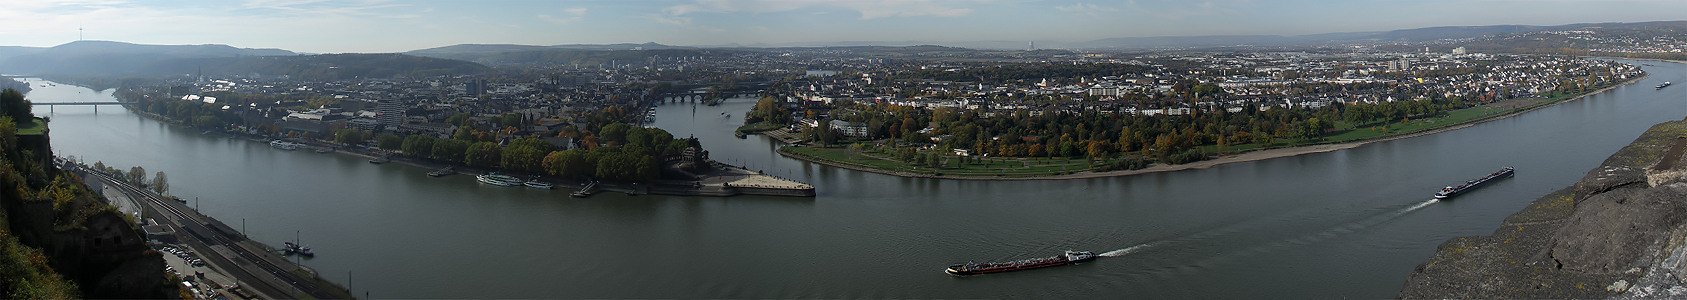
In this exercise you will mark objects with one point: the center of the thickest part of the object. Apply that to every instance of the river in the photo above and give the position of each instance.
(1348, 223)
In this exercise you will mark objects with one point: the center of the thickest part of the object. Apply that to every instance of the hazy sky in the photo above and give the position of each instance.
(323, 26)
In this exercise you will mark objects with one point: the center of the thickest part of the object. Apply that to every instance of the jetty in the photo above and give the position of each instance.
(586, 191)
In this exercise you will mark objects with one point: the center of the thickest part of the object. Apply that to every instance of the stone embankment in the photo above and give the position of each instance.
(1617, 233)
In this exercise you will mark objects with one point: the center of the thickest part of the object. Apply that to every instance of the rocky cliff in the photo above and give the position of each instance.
(57, 238)
(1616, 233)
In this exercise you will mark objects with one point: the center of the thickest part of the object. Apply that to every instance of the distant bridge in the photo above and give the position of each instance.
(75, 103)
(96, 105)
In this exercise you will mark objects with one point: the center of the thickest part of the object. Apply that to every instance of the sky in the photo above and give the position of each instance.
(326, 26)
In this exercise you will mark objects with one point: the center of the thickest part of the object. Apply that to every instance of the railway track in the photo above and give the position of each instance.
(195, 225)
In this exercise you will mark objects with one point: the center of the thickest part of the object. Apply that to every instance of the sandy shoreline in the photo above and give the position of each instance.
(1227, 159)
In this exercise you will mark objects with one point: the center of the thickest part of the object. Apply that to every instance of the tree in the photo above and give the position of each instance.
(417, 145)
(457, 119)
(569, 163)
(137, 175)
(614, 133)
(823, 133)
(13, 104)
(350, 136)
(522, 157)
(449, 150)
(767, 110)
(463, 133)
(482, 154)
(510, 120)
(391, 142)
(160, 184)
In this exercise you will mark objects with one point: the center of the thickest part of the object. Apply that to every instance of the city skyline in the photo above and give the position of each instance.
(319, 26)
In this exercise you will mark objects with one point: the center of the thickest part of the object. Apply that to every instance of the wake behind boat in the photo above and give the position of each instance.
(1451, 191)
(1070, 257)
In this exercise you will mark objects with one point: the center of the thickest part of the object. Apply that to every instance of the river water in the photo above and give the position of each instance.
(1348, 223)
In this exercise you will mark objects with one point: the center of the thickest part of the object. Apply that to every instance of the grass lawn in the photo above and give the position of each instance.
(34, 127)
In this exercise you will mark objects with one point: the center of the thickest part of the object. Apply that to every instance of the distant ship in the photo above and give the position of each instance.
(1451, 191)
(1662, 86)
(499, 180)
(1070, 257)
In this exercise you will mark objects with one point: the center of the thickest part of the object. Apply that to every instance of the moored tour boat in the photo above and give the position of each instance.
(285, 145)
(499, 179)
(535, 183)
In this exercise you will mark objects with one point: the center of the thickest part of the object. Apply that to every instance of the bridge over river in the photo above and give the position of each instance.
(96, 105)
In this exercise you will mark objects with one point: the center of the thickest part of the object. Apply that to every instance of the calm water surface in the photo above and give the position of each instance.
(1348, 223)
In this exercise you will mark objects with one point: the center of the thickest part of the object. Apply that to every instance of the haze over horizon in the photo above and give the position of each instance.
(321, 26)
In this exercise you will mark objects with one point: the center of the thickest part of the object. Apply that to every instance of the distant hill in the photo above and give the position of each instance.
(1403, 35)
(93, 59)
(84, 58)
(474, 49)
(514, 55)
(321, 66)
(483, 49)
(7, 52)
(1185, 41)
(1585, 39)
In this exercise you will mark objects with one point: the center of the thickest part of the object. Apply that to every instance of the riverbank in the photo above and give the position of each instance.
(1253, 155)
(1618, 232)
(716, 184)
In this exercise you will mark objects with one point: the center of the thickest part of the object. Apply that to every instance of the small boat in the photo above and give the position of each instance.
(1070, 257)
(442, 172)
(288, 248)
(285, 145)
(535, 183)
(1450, 191)
(305, 251)
(1662, 86)
(380, 160)
(499, 179)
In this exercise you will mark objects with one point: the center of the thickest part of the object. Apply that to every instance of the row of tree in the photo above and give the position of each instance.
(616, 152)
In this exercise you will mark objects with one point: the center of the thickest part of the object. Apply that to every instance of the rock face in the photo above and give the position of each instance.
(1616, 233)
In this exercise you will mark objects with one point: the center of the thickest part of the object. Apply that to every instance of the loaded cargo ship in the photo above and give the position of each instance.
(1070, 257)
(1451, 191)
